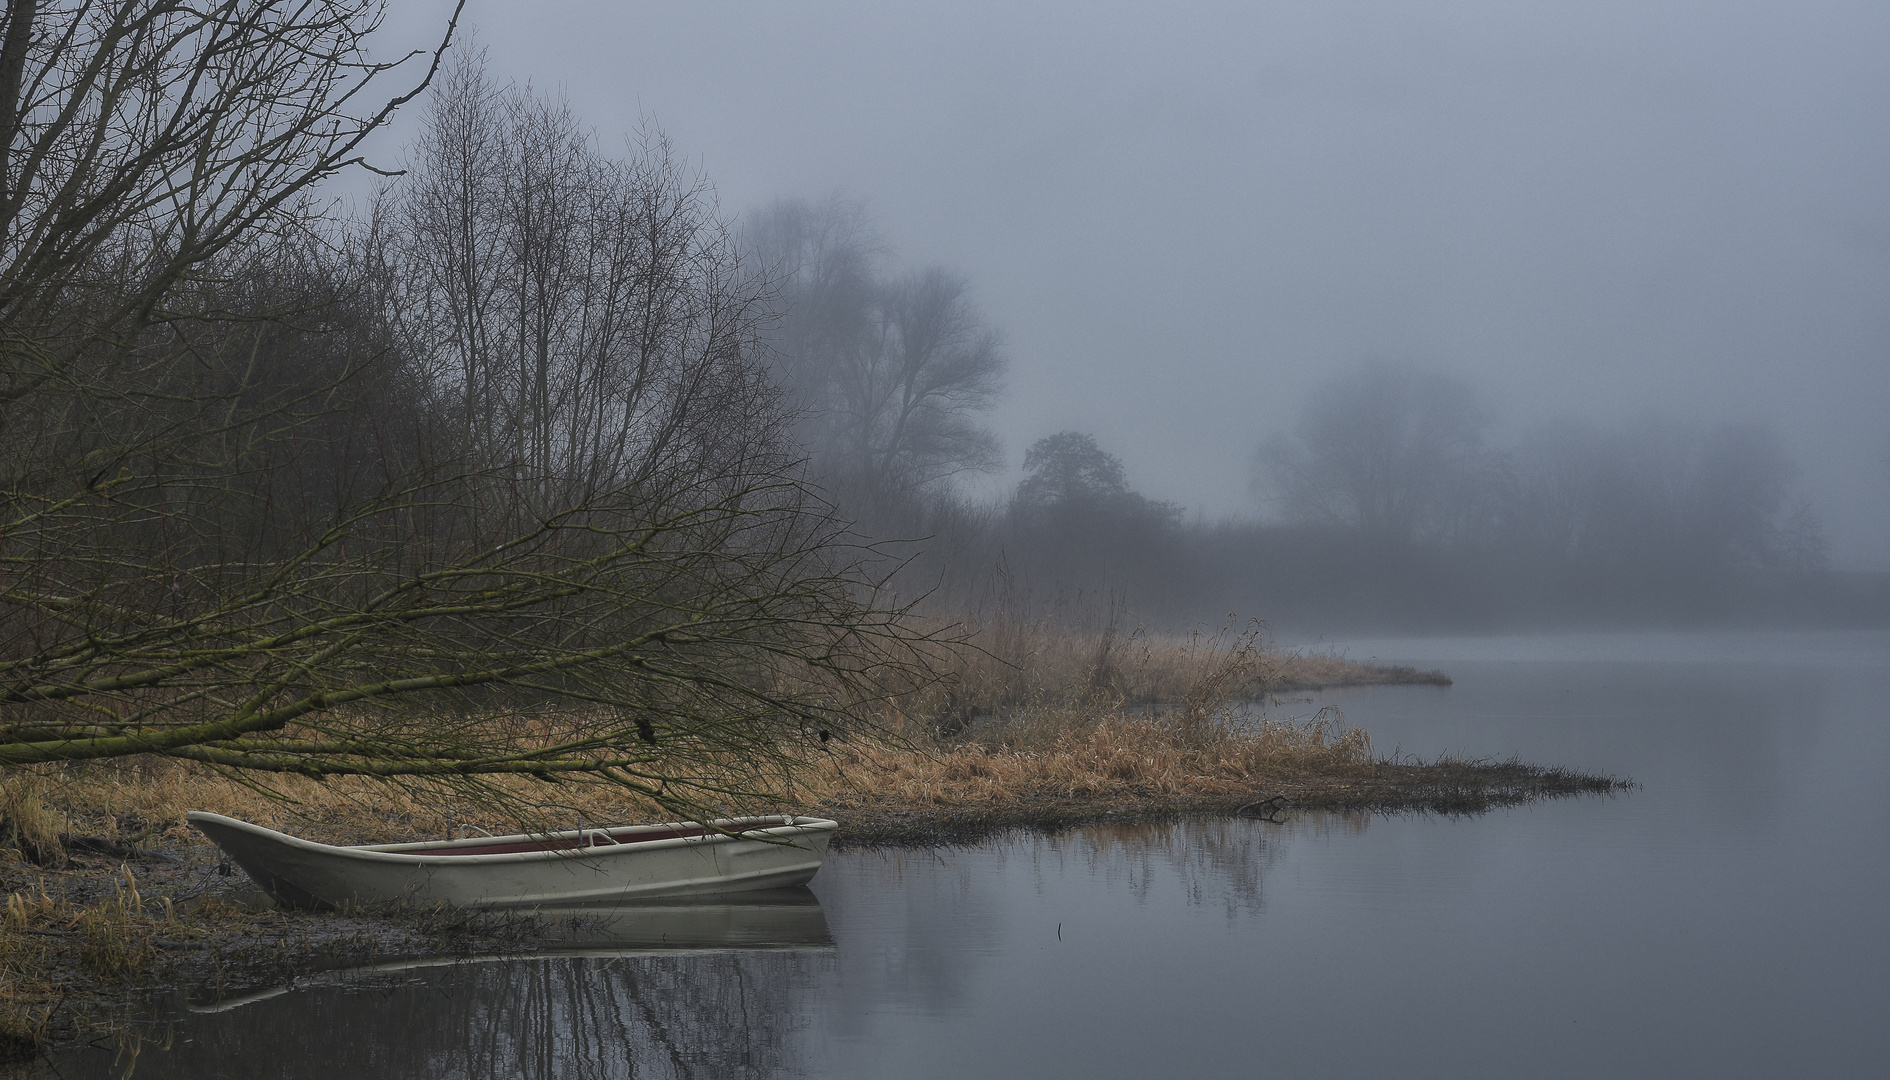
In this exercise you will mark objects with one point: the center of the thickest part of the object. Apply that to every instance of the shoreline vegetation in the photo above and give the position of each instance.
(284, 541)
(1034, 729)
(1058, 729)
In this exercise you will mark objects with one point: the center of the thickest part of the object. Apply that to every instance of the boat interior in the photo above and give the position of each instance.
(575, 839)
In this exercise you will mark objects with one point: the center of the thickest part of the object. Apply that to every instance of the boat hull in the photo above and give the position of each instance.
(616, 867)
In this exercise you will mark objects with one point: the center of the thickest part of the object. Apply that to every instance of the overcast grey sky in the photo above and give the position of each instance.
(1183, 216)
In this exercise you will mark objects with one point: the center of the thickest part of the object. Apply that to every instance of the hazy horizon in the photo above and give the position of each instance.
(1182, 219)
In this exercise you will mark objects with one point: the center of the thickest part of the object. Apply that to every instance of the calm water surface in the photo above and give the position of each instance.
(1726, 919)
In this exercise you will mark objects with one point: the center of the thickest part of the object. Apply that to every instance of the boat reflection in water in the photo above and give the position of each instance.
(780, 919)
(658, 989)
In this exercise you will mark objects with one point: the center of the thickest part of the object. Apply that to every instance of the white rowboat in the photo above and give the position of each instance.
(556, 869)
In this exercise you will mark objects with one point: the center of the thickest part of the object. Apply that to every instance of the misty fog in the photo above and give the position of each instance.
(1334, 536)
(1329, 314)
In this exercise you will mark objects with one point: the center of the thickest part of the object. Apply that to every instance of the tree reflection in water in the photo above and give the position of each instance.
(1217, 861)
(680, 1015)
(680, 1012)
(759, 988)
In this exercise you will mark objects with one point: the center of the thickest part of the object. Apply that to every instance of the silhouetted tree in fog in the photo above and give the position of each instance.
(821, 259)
(913, 400)
(1385, 448)
(1659, 505)
(1397, 512)
(1076, 523)
(1067, 473)
(891, 372)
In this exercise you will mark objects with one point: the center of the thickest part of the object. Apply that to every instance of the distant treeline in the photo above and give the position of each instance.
(1386, 505)
(1610, 534)
(1387, 508)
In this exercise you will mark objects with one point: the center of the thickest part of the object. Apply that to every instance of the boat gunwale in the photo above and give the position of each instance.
(391, 853)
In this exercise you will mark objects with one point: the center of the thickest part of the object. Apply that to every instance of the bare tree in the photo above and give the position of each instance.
(891, 373)
(586, 317)
(139, 142)
(278, 496)
(1384, 448)
(821, 264)
(912, 395)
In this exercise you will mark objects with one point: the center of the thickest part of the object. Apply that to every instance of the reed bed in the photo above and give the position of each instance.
(1029, 724)
(1022, 711)
(1319, 670)
(1045, 725)
(1075, 755)
(1097, 664)
(139, 805)
(50, 946)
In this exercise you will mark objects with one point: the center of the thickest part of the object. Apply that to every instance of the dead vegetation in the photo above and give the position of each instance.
(1092, 664)
(1028, 709)
(1035, 710)
(1319, 670)
(1044, 726)
(76, 944)
(1033, 726)
(51, 947)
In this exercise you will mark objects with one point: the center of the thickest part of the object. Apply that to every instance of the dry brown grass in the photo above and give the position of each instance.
(147, 798)
(116, 933)
(1317, 671)
(1035, 726)
(1028, 710)
(1037, 712)
(28, 824)
(50, 945)
(71, 953)
(1009, 663)
(1085, 751)
(1077, 755)
(1013, 663)
(26, 992)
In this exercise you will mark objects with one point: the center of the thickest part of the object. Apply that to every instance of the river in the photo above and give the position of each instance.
(1724, 919)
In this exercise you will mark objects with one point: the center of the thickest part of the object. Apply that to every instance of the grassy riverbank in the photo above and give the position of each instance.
(1138, 775)
(1035, 730)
